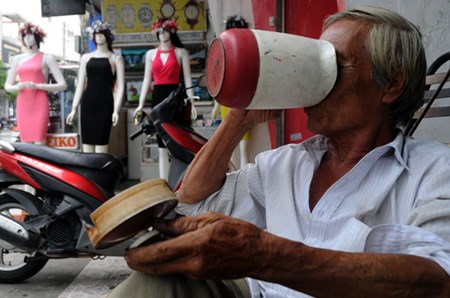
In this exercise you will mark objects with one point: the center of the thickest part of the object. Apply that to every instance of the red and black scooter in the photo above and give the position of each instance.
(171, 121)
(48, 194)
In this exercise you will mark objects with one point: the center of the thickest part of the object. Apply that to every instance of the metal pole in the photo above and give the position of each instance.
(279, 23)
(1, 37)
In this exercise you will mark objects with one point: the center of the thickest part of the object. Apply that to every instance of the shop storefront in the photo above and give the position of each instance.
(132, 22)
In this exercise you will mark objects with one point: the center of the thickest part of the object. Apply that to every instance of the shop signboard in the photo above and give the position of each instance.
(54, 8)
(131, 17)
(68, 141)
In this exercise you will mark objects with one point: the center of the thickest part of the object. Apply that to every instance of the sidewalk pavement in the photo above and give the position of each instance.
(9, 135)
(97, 278)
(74, 277)
(101, 275)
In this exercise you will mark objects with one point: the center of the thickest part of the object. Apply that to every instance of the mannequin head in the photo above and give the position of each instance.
(102, 32)
(29, 41)
(31, 34)
(163, 26)
(235, 22)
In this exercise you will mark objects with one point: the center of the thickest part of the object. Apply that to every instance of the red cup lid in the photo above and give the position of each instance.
(232, 68)
(215, 70)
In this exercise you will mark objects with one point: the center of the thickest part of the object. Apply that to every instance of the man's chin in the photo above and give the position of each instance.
(309, 111)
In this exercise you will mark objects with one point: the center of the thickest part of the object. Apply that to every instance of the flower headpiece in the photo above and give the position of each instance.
(235, 22)
(29, 28)
(166, 25)
(99, 27)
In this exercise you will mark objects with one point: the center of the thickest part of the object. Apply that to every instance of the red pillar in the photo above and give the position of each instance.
(263, 10)
(302, 17)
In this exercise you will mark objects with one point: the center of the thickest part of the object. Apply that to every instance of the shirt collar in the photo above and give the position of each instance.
(320, 143)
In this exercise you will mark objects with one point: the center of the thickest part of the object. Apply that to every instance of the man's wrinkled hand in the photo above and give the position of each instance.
(208, 246)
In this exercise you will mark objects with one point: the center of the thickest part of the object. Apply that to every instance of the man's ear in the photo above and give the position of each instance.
(394, 89)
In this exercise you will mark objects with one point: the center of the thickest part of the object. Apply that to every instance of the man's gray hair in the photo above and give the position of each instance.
(395, 47)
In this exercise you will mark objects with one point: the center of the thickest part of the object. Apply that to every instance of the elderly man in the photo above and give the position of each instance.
(359, 210)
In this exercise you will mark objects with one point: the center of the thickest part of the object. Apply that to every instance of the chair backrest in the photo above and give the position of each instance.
(437, 87)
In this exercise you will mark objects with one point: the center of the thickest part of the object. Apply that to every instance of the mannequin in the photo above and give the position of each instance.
(255, 140)
(33, 68)
(99, 91)
(170, 53)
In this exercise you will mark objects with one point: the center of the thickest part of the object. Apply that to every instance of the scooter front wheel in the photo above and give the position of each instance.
(16, 265)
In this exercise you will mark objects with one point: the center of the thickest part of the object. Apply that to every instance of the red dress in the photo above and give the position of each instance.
(166, 73)
(32, 104)
(166, 78)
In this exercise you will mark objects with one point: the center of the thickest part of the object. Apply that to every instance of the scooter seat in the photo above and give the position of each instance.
(97, 161)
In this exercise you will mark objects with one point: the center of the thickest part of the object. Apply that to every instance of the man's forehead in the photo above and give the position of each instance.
(347, 36)
(343, 29)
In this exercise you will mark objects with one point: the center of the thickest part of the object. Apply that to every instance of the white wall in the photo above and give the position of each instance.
(220, 10)
(432, 17)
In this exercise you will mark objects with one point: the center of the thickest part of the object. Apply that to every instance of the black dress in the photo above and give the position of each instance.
(161, 92)
(97, 102)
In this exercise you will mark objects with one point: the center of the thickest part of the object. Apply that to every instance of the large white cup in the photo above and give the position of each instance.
(255, 69)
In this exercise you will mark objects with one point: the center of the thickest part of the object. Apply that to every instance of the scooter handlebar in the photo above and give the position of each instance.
(136, 134)
(148, 128)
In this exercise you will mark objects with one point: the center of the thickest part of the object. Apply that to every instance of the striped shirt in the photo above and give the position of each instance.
(395, 200)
